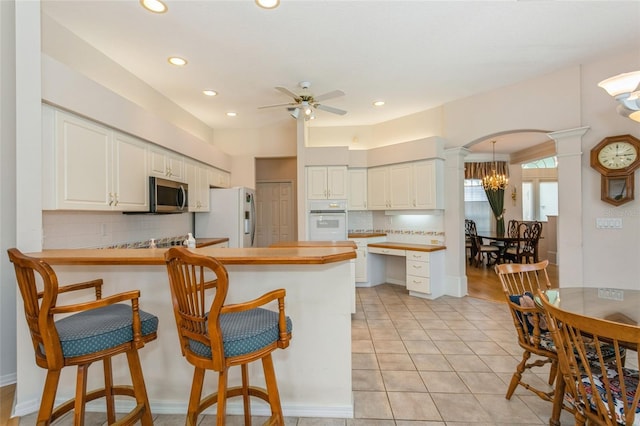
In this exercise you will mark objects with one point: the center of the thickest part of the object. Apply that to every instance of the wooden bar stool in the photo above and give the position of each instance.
(214, 336)
(96, 331)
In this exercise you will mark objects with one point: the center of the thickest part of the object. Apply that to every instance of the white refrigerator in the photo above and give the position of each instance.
(232, 215)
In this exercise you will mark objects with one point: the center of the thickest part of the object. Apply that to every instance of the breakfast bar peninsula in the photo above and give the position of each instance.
(314, 373)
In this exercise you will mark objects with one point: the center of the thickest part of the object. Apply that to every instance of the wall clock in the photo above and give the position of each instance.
(616, 158)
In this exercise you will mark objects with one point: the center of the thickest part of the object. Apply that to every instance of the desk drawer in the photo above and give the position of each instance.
(419, 256)
(388, 251)
(419, 284)
(420, 269)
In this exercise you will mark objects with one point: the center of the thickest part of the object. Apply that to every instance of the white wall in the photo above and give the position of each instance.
(7, 192)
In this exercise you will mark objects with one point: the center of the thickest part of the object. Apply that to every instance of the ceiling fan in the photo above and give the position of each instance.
(305, 102)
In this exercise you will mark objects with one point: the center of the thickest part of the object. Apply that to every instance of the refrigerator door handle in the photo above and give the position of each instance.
(253, 220)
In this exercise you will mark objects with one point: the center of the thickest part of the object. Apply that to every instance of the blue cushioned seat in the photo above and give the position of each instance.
(245, 332)
(99, 329)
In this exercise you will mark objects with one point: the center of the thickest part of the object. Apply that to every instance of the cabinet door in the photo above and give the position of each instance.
(400, 186)
(361, 263)
(175, 166)
(197, 177)
(377, 188)
(83, 163)
(317, 183)
(166, 164)
(203, 184)
(424, 185)
(157, 162)
(130, 180)
(337, 183)
(357, 196)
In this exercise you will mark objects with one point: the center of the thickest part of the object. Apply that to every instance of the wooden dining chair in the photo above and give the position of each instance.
(95, 331)
(520, 282)
(482, 251)
(215, 336)
(469, 244)
(526, 249)
(600, 388)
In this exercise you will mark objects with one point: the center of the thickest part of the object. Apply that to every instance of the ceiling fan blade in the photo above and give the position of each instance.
(277, 105)
(330, 109)
(329, 95)
(288, 92)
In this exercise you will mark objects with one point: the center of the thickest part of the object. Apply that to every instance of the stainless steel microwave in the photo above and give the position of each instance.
(167, 196)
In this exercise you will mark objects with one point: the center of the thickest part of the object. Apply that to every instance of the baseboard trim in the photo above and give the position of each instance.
(8, 379)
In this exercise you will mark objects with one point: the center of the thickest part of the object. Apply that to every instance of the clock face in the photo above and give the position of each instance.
(617, 155)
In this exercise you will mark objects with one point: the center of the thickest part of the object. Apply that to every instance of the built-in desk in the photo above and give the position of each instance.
(419, 267)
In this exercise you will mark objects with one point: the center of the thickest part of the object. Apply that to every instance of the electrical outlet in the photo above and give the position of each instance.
(609, 223)
(611, 293)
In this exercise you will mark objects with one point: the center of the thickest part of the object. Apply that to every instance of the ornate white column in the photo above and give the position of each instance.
(455, 255)
(570, 255)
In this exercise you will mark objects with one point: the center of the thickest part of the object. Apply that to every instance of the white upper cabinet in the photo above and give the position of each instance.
(378, 188)
(95, 168)
(130, 179)
(219, 178)
(166, 164)
(401, 186)
(406, 186)
(357, 197)
(198, 180)
(428, 184)
(326, 182)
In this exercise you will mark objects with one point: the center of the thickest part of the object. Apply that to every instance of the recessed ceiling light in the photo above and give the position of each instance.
(378, 103)
(232, 114)
(210, 92)
(268, 4)
(155, 6)
(175, 60)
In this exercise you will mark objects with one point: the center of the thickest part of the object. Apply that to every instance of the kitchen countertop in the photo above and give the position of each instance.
(204, 242)
(366, 234)
(227, 256)
(315, 244)
(408, 246)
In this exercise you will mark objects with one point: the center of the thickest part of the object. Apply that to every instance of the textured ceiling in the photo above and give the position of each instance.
(415, 55)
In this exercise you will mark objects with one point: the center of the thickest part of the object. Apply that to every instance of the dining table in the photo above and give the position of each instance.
(503, 238)
(611, 304)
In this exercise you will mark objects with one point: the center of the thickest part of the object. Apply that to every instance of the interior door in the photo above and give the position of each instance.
(275, 213)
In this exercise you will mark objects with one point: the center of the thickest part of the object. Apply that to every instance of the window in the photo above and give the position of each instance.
(476, 205)
(540, 189)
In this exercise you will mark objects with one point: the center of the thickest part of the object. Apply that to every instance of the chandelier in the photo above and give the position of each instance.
(625, 88)
(494, 181)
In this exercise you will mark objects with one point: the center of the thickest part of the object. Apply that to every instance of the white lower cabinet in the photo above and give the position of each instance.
(418, 271)
(363, 267)
(425, 273)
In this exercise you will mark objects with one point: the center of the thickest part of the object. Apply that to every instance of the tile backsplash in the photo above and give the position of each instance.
(65, 229)
(408, 228)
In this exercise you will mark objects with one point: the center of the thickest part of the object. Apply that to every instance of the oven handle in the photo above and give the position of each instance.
(327, 212)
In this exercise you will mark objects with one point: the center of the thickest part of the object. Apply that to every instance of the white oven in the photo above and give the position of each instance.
(327, 220)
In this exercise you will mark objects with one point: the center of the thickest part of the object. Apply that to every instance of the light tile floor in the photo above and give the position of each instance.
(423, 362)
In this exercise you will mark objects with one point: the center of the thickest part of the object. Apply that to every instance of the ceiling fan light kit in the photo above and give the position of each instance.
(625, 88)
(306, 102)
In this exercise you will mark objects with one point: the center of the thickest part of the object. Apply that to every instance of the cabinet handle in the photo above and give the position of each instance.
(115, 198)
(111, 198)
(417, 267)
